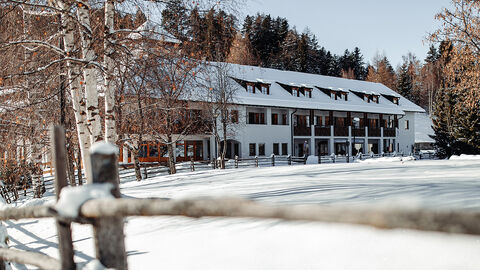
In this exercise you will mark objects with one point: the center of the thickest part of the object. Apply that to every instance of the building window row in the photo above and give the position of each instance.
(252, 149)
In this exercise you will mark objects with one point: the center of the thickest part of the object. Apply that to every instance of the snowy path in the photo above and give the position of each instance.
(213, 243)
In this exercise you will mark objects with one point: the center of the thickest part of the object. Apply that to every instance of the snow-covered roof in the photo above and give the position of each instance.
(423, 128)
(279, 97)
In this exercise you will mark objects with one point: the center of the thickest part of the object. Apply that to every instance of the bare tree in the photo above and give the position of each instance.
(219, 97)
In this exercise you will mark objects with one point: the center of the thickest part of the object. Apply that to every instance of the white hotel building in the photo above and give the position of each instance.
(293, 113)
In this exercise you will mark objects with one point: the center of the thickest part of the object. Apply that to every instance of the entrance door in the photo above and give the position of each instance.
(300, 150)
(236, 149)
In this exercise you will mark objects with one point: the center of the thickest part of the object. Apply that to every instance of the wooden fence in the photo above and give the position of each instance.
(106, 216)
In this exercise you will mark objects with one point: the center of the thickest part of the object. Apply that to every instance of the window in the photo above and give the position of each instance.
(308, 93)
(340, 121)
(407, 124)
(252, 149)
(302, 120)
(295, 92)
(265, 90)
(395, 101)
(250, 88)
(284, 119)
(327, 121)
(373, 123)
(276, 149)
(234, 116)
(256, 118)
(274, 119)
(142, 152)
(261, 149)
(153, 149)
(284, 149)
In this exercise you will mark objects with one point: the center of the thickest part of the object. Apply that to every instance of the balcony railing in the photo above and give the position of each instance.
(358, 132)
(389, 132)
(302, 131)
(341, 131)
(374, 132)
(322, 131)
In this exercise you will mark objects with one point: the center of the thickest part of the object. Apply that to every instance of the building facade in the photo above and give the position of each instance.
(292, 113)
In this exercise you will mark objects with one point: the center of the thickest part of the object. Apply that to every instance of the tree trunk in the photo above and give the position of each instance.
(110, 129)
(89, 74)
(136, 165)
(37, 173)
(224, 130)
(171, 157)
(73, 72)
(79, 168)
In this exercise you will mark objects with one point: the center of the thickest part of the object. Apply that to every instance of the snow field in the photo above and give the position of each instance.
(233, 243)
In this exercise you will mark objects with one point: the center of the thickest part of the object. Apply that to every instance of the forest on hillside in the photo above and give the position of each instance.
(267, 41)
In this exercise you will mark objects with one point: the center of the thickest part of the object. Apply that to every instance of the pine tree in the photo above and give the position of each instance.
(432, 55)
(467, 128)
(404, 82)
(444, 124)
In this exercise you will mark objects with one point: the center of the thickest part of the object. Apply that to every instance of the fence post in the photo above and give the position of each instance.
(192, 165)
(319, 159)
(108, 232)
(236, 162)
(304, 159)
(256, 161)
(273, 160)
(289, 159)
(145, 172)
(64, 231)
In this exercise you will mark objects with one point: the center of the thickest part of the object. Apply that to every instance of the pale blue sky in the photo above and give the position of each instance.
(387, 26)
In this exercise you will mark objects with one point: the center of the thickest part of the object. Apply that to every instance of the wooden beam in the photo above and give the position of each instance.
(65, 244)
(39, 260)
(108, 231)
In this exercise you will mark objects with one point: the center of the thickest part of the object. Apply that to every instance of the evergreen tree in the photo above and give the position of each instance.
(467, 129)
(359, 68)
(404, 82)
(443, 124)
(432, 55)
(175, 19)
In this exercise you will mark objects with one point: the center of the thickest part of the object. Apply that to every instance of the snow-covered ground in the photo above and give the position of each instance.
(220, 243)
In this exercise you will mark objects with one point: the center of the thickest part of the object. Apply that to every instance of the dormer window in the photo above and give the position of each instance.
(308, 92)
(366, 98)
(375, 98)
(250, 88)
(295, 92)
(395, 100)
(265, 90)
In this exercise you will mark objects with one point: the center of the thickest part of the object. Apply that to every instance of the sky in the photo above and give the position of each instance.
(388, 27)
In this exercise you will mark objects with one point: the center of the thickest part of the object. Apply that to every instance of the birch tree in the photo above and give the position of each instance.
(220, 91)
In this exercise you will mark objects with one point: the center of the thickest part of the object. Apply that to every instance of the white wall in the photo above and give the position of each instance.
(268, 134)
(406, 138)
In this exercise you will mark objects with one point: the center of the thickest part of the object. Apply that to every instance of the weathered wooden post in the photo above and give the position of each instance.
(289, 159)
(304, 159)
(236, 162)
(108, 232)
(256, 161)
(145, 173)
(273, 160)
(192, 165)
(64, 231)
